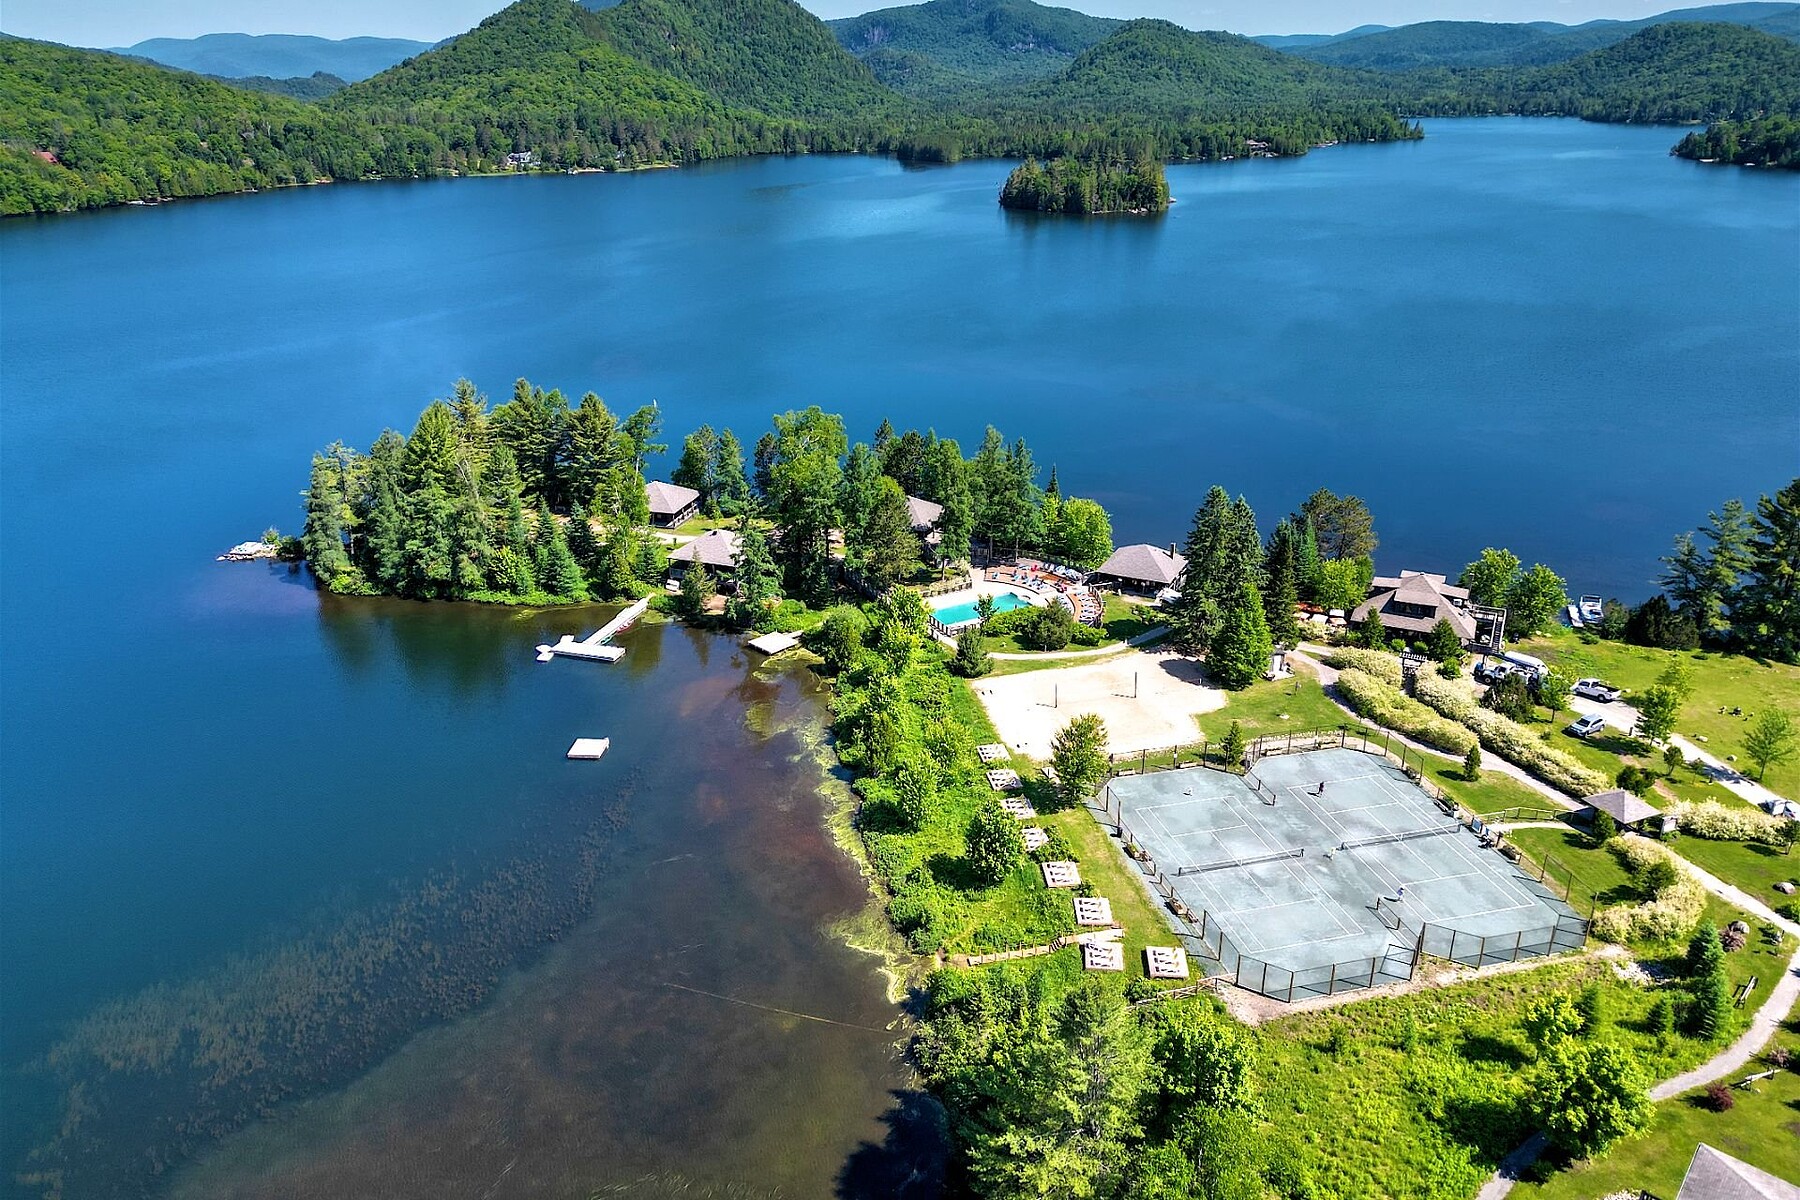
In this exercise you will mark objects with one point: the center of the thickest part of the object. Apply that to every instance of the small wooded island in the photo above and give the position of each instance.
(1087, 187)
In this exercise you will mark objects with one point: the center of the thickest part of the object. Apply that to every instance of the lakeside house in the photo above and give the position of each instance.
(717, 549)
(670, 503)
(1410, 606)
(1140, 568)
(925, 517)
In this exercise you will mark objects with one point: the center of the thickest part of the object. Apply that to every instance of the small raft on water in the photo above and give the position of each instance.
(589, 749)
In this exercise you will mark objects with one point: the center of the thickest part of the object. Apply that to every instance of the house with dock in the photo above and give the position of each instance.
(716, 549)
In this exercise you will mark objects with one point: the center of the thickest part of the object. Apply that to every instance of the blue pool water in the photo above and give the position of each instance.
(962, 614)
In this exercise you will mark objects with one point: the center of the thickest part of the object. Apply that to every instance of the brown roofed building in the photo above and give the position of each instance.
(925, 517)
(1140, 568)
(670, 503)
(1411, 605)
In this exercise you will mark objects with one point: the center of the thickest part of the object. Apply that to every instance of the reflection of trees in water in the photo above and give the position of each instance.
(150, 1079)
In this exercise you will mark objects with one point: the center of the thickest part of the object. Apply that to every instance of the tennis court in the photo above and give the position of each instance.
(1325, 871)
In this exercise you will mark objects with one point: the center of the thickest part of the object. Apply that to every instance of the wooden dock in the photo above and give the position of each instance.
(597, 646)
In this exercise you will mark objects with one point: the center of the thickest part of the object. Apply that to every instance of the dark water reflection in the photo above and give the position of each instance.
(614, 977)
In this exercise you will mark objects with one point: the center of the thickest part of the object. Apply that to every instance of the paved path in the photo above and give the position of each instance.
(1149, 635)
(1624, 717)
(1327, 676)
(1726, 1062)
(1737, 1055)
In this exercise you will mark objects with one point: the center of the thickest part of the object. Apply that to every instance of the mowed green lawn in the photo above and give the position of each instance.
(1762, 1128)
(1721, 681)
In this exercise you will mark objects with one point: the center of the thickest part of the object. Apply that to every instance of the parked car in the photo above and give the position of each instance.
(1492, 671)
(1533, 669)
(1596, 689)
(1587, 726)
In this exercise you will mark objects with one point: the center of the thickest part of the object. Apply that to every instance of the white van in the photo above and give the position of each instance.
(1534, 667)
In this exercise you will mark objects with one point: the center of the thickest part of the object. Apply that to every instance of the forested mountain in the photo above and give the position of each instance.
(769, 55)
(1678, 72)
(969, 42)
(277, 55)
(1487, 44)
(309, 87)
(1154, 66)
(674, 81)
(80, 129)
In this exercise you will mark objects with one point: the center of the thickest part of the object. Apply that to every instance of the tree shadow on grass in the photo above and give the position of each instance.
(955, 871)
(910, 1161)
(1482, 1047)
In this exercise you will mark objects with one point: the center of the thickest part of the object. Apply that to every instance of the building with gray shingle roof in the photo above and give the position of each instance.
(717, 548)
(670, 503)
(1622, 807)
(1715, 1175)
(1140, 568)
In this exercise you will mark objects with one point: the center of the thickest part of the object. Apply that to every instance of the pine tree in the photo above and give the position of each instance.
(584, 543)
(859, 490)
(697, 591)
(699, 462)
(593, 449)
(728, 475)
(1765, 617)
(323, 537)
(1242, 649)
(543, 525)
(888, 546)
(1194, 617)
(758, 582)
(1282, 595)
(1308, 565)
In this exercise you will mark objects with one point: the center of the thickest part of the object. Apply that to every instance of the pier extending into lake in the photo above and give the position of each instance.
(597, 646)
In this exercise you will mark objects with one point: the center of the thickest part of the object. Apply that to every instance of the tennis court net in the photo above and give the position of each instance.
(1226, 865)
(1409, 835)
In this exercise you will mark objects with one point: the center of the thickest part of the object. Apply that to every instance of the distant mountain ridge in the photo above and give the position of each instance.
(1530, 44)
(277, 55)
(970, 42)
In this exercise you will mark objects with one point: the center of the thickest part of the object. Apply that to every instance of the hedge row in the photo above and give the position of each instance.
(1385, 704)
(1671, 913)
(1729, 823)
(1379, 663)
(1456, 699)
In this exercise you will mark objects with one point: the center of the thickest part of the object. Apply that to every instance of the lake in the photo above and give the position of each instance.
(235, 810)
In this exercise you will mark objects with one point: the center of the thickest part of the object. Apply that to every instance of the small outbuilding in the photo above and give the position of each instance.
(1715, 1175)
(670, 503)
(1626, 810)
(1141, 568)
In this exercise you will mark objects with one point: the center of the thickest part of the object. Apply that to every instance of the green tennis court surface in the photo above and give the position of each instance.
(1329, 870)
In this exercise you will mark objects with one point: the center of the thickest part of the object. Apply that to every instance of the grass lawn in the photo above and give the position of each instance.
(1724, 681)
(1293, 705)
(1420, 1095)
(1123, 620)
(1491, 793)
(1755, 868)
(1762, 1129)
(1600, 872)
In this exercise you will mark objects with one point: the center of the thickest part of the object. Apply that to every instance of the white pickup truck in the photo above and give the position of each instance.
(1596, 689)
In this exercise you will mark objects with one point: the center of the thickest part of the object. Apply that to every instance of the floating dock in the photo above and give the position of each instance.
(596, 646)
(773, 643)
(589, 748)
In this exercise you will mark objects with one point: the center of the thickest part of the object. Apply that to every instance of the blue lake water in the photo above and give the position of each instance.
(1542, 334)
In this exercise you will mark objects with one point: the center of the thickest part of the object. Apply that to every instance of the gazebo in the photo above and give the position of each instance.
(670, 504)
(1626, 810)
(1715, 1175)
(1140, 568)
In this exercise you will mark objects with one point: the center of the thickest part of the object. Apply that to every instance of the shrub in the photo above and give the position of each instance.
(1387, 705)
(971, 661)
(1670, 911)
(1512, 741)
(993, 844)
(1634, 779)
(1588, 1096)
(1605, 828)
(1661, 1018)
(1378, 663)
(1728, 823)
(1472, 764)
(1733, 939)
(1719, 1097)
(1780, 1057)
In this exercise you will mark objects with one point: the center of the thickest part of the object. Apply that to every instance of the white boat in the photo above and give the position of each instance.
(1592, 609)
(590, 749)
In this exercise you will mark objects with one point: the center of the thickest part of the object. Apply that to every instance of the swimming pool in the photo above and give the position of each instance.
(964, 614)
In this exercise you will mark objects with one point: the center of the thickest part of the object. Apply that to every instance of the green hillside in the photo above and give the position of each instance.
(1677, 72)
(969, 42)
(1443, 44)
(82, 129)
(769, 55)
(1156, 67)
(316, 86)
